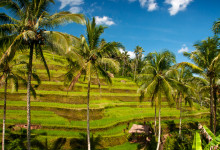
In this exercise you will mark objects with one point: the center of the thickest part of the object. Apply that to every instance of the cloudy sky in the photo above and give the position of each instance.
(152, 24)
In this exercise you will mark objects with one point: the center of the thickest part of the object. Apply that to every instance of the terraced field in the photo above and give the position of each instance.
(63, 114)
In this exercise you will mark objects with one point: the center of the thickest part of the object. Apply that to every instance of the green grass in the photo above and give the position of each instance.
(73, 93)
(37, 117)
(112, 116)
(93, 104)
(116, 131)
(125, 146)
(122, 86)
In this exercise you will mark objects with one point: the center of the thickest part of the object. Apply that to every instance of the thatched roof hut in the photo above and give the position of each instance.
(139, 129)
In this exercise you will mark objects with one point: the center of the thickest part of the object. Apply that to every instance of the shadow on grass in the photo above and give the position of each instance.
(57, 145)
(81, 144)
(171, 126)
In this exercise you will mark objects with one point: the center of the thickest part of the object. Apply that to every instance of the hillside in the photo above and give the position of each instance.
(63, 115)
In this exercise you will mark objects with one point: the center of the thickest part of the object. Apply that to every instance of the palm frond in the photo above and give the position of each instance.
(60, 19)
(104, 74)
(14, 82)
(75, 79)
(193, 67)
(37, 78)
(10, 52)
(57, 41)
(167, 91)
(44, 61)
(112, 63)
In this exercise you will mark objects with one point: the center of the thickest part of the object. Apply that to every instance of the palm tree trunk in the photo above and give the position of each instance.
(180, 105)
(88, 131)
(123, 69)
(211, 104)
(134, 70)
(177, 100)
(215, 106)
(28, 97)
(155, 120)
(4, 116)
(159, 132)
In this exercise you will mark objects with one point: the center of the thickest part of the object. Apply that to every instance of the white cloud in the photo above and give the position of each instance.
(121, 50)
(151, 5)
(104, 20)
(183, 49)
(75, 10)
(177, 5)
(143, 3)
(131, 54)
(73, 4)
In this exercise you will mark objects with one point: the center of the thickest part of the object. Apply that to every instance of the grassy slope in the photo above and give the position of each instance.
(116, 112)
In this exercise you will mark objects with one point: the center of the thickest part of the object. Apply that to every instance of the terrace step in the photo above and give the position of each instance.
(75, 98)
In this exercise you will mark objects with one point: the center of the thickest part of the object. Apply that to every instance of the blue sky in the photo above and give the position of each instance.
(152, 24)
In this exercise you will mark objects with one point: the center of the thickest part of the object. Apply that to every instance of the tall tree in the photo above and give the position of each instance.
(183, 77)
(12, 72)
(125, 59)
(207, 57)
(216, 27)
(88, 54)
(138, 55)
(29, 28)
(156, 80)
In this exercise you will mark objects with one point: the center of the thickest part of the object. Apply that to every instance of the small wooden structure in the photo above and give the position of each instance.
(139, 133)
(19, 126)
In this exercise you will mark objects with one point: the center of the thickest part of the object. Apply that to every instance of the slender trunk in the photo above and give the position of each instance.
(28, 98)
(123, 69)
(211, 104)
(135, 69)
(155, 120)
(105, 66)
(177, 100)
(159, 132)
(180, 105)
(4, 116)
(215, 106)
(88, 131)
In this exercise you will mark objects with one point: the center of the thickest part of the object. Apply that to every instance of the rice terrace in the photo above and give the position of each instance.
(104, 75)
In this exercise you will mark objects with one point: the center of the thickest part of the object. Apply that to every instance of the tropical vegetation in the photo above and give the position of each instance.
(96, 91)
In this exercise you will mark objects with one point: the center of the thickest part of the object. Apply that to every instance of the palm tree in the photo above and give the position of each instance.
(124, 57)
(138, 55)
(90, 54)
(207, 56)
(13, 71)
(29, 28)
(185, 91)
(216, 27)
(156, 80)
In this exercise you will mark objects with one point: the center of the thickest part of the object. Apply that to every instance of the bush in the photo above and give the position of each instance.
(174, 142)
